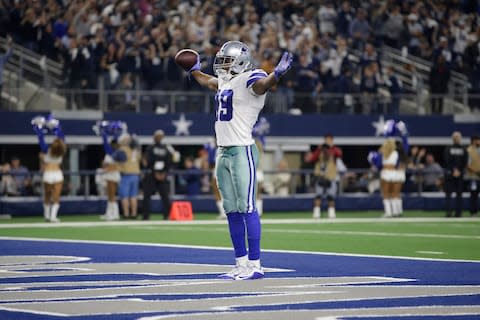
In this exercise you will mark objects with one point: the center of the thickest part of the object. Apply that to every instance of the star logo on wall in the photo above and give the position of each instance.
(182, 125)
(379, 126)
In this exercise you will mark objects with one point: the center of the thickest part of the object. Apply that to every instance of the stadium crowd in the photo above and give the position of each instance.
(336, 44)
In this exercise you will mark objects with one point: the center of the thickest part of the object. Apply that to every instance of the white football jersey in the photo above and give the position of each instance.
(237, 109)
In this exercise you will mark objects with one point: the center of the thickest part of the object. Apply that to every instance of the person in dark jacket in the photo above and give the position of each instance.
(439, 77)
(158, 159)
(455, 158)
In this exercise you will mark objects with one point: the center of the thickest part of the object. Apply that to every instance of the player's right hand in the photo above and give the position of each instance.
(196, 66)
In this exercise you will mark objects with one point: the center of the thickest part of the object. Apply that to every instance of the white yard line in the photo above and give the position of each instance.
(430, 252)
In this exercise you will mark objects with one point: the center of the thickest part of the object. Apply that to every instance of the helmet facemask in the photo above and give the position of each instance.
(232, 59)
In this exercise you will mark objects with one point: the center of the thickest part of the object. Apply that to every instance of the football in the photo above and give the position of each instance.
(186, 58)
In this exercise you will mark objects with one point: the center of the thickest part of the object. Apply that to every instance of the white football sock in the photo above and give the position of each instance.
(108, 211)
(242, 261)
(316, 212)
(46, 211)
(331, 213)
(54, 211)
(255, 263)
(400, 205)
(394, 207)
(115, 210)
(387, 206)
(221, 211)
(260, 206)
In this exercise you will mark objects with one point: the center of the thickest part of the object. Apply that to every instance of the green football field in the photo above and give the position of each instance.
(417, 234)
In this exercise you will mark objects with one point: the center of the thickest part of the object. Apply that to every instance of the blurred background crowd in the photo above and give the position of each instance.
(336, 44)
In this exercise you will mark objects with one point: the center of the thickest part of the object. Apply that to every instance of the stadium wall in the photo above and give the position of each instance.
(284, 129)
(32, 206)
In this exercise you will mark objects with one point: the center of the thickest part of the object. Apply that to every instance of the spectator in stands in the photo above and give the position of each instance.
(306, 85)
(327, 16)
(370, 56)
(471, 63)
(443, 49)
(4, 56)
(473, 172)
(344, 18)
(393, 27)
(415, 30)
(432, 174)
(21, 176)
(416, 163)
(394, 86)
(439, 77)
(369, 88)
(281, 179)
(8, 186)
(109, 64)
(360, 29)
(455, 159)
(131, 27)
(128, 157)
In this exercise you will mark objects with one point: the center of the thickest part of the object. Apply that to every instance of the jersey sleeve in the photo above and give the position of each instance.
(256, 74)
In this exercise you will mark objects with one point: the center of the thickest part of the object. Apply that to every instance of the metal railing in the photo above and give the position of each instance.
(366, 181)
(280, 101)
(27, 78)
(418, 80)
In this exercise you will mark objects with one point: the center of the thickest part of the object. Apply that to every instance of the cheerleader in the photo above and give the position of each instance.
(111, 170)
(111, 174)
(50, 164)
(391, 160)
(388, 174)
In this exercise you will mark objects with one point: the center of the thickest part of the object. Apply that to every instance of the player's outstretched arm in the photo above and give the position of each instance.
(263, 85)
(205, 80)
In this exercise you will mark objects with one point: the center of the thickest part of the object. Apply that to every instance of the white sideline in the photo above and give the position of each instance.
(222, 222)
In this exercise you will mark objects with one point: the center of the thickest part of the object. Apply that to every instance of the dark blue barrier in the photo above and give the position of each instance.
(31, 206)
(281, 125)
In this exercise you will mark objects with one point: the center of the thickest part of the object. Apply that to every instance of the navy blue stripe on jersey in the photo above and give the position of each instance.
(262, 73)
(255, 76)
(251, 81)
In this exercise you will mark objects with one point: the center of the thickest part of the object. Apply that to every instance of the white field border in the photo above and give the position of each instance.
(224, 222)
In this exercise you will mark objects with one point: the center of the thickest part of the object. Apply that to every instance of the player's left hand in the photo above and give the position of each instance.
(284, 64)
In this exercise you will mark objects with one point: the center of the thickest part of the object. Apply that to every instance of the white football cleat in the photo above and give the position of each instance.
(232, 274)
(250, 273)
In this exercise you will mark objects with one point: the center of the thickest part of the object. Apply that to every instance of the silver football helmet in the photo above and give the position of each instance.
(232, 59)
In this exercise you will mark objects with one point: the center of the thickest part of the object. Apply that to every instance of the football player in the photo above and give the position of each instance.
(240, 97)
(51, 158)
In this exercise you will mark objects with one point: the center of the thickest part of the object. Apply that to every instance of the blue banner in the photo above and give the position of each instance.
(280, 125)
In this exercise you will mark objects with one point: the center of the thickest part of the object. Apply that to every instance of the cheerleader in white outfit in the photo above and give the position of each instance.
(112, 177)
(51, 158)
